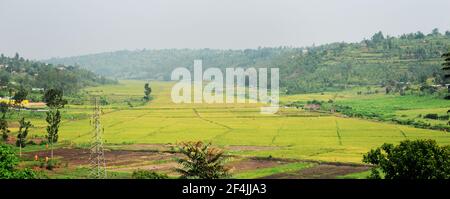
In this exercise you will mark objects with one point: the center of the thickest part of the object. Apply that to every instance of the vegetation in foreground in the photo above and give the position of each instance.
(8, 165)
(202, 161)
(418, 159)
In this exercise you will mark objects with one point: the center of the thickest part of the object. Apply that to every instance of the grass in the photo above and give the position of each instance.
(259, 173)
(358, 175)
(81, 173)
(389, 105)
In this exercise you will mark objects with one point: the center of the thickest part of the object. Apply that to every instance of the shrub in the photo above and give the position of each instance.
(145, 174)
(443, 117)
(52, 163)
(433, 116)
(31, 142)
(8, 164)
(419, 159)
(314, 102)
(202, 161)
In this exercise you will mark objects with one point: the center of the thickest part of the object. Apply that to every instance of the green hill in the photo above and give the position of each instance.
(413, 57)
(17, 72)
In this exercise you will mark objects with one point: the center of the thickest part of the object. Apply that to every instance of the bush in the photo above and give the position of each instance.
(8, 164)
(145, 174)
(419, 159)
(104, 101)
(31, 142)
(314, 102)
(443, 117)
(51, 164)
(202, 161)
(432, 116)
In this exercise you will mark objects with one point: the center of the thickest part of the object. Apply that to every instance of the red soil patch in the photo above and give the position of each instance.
(256, 163)
(77, 157)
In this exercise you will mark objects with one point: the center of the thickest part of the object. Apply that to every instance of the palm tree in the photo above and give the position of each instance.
(202, 161)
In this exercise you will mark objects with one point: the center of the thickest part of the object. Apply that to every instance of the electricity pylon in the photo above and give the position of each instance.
(97, 157)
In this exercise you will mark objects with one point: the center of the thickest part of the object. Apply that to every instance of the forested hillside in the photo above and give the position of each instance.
(19, 73)
(414, 58)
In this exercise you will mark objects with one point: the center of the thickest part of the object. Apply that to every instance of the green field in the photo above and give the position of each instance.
(297, 135)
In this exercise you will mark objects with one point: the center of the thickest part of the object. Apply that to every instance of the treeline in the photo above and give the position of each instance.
(409, 58)
(381, 60)
(17, 73)
(158, 64)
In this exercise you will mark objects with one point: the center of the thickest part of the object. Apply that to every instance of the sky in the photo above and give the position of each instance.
(41, 29)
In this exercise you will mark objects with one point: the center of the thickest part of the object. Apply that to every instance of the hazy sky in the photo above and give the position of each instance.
(40, 29)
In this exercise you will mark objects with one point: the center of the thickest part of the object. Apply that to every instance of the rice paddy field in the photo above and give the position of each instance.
(300, 134)
(240, 129)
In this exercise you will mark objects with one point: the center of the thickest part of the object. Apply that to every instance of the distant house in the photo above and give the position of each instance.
(312, 107)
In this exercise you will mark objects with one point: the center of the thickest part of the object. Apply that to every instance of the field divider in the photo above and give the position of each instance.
(210, 121)
(337, 132)
(402, 132)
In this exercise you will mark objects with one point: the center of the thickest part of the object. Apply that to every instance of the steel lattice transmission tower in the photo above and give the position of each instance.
(97, 157)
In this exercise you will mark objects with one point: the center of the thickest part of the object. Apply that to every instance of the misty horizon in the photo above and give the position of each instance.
(50, 29)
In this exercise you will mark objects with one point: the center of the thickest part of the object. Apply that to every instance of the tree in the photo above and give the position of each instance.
(418, 159)
(147, 92)
(446, 68)
(202, 161)
(22, 134)
(8, 164)
(435, 32)
(4, 78)
(53, 120)
(4, 107)
(4, 129)
(54, 100)
(378, 37)
(419, 35)
(20, 96)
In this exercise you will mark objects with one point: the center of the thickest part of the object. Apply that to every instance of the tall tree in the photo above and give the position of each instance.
(22, 134)
(147, 91)
(446, 68)
(4, 107)
(54, 100)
